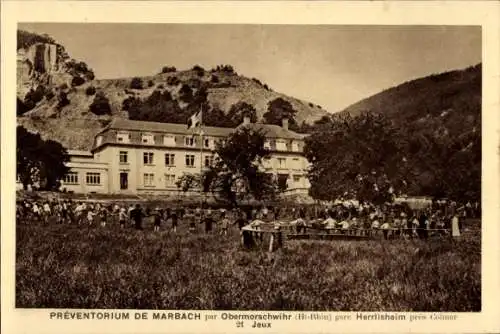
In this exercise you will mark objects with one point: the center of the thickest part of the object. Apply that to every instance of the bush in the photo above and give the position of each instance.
(173, 81)
(49, 95)
(151, 83)
(77, 81)
(90, 90)
(168, 69)
(200, 71)
(127, 103)
(100, 105)
(34, 96)
(136, 83)
(63, 100)
(160, 86)
(214, 79)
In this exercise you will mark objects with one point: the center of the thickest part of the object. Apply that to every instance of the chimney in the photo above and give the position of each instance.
(246, 120)
(284, 123)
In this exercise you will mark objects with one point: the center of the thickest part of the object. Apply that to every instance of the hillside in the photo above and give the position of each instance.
(448, 102)
(51, 101)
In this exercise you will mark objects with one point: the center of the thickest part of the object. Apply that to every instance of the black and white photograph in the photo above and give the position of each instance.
(248, 167)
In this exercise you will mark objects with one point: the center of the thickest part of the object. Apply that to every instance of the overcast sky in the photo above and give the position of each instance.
(333, 66)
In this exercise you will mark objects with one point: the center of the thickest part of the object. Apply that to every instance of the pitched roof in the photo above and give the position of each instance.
(273, 131)
(130, 125)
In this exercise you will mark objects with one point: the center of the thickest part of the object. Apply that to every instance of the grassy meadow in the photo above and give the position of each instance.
(95, 267)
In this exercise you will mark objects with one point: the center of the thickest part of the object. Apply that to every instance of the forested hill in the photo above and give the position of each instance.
(449, 94)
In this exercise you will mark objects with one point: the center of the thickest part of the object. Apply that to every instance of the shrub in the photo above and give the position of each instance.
(63, 100)
(100, 105)
(151, 83)
(311, 105)
(77, 81)
(168, 69)
(90, 90)
(160, 86)
(136, 83)
(214, 79)
(199, 70)
(34, 96)
(128, 102)
(173, 81)
(49, 95)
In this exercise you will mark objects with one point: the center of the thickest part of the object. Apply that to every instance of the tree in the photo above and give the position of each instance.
(361, 156)
(136, 83)
(187, 182)
(168, 69)
(158, 107)
(39, 161)
(91, 90)
(240, 110)
(100, 105)
(236, 173)
(278, 109)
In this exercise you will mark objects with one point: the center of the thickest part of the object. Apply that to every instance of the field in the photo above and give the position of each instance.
(95, 267)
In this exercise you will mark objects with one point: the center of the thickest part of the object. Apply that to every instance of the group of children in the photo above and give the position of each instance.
(342, 218)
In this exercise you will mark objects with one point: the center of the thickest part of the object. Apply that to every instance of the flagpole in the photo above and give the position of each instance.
(201, 161)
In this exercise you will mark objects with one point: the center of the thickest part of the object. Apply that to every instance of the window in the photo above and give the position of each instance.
(206, 143)
(209, 160)
(169, 180)
(296, 178)
(148, 158)
(295, 146)
(148, 139)
(149, 179)
(281, 145)
(169, 140)
(169, 159)
(189, 160)
(93, 178)
(71, 178)
(123, 180)
(123, 157)
(189, 141)
(296, 163)
(281, 162)
(122, 137)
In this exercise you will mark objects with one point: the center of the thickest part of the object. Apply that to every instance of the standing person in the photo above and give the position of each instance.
(46, 211)
(422, 226)
(157, 219)
(224, 224)
(122, 217)
(208, 220)
(90, 215)
(136, 215)
(104, 216)
(455, 226)
(190, 219)
(174, 218)
(240, 221)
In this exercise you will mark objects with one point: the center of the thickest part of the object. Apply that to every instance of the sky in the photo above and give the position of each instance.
(330, 65)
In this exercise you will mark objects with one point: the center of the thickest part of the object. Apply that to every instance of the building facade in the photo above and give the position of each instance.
(136, 157)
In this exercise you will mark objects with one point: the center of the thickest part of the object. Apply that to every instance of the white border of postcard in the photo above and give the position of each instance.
(485, 14)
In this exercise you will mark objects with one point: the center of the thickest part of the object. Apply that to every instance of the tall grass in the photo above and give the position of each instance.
(95, 267)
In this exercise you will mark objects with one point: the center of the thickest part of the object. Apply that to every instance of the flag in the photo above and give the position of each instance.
(195, 120)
